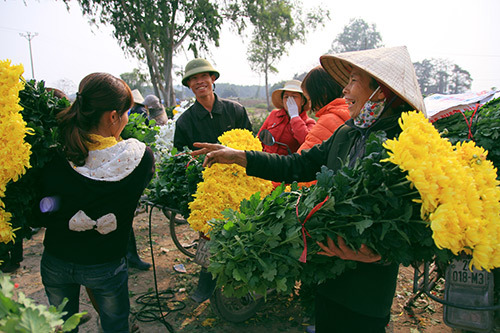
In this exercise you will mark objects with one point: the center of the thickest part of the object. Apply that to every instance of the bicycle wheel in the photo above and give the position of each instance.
(232, 309)
(184, 238)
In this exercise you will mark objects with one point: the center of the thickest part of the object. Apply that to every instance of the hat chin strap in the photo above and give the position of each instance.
(373, 93)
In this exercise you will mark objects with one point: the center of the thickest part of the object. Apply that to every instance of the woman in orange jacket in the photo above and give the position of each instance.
(289, 123)
(331, 110)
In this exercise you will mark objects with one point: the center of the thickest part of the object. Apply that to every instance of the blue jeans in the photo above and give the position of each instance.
(108, 282)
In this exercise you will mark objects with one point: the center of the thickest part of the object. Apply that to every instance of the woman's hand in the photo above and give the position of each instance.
(216, 153)
(364, 254)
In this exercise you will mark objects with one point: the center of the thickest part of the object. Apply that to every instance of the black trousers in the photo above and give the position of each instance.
(335, 318)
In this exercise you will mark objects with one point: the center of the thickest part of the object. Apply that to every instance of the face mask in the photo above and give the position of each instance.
(370, 112)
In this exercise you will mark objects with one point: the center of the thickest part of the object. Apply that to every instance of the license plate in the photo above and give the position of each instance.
(202, 256)
(464, 287)
(461, 274)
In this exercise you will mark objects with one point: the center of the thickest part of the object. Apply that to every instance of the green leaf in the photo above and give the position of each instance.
(72, 322)
(34, 321)
(281, 285)
(361, 226)
(236, 275)
(269, 274)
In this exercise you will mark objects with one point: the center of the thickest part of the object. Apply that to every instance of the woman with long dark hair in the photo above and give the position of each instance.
(90, 193)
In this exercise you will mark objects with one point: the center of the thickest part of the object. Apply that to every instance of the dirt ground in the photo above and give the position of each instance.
(279, 314)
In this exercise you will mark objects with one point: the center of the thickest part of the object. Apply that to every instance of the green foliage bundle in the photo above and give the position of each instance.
(23, 315)
(257, 248)
(485, 129)
(177, 176)
(369, 203)
(40, 108)
(137, 128)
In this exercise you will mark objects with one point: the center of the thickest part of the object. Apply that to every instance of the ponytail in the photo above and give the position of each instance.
(71, 134)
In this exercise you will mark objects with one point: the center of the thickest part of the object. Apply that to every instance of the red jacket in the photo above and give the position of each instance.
(290, 132)
(330, 117)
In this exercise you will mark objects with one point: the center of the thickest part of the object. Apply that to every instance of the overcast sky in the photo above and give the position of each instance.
(67, 47)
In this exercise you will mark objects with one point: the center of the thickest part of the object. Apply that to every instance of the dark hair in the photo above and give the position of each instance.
(98, 93)
(320, 87)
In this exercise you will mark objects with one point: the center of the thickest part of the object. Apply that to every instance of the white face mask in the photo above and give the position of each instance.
(370, 112)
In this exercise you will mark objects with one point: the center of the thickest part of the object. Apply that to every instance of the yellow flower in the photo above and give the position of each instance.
(6, 231)
(14, 151)
(459, 192)
(225, 185)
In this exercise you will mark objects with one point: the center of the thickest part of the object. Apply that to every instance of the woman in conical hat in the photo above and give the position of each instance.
(379, 85)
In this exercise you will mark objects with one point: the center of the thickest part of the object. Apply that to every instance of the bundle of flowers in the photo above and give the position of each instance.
(165, 137)
(458, 188)
(388, 207)
(14, 152)
(482, 126)
(225, 186)
(39, 112)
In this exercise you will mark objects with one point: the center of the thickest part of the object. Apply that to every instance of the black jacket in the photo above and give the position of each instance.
(196, 124)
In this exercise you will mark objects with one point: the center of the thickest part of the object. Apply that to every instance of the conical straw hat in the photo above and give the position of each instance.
(390, 66)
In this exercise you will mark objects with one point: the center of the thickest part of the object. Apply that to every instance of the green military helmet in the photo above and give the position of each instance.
(197, 66)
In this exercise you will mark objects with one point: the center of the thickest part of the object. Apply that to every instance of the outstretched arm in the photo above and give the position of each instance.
(216, 153)
(364, 254)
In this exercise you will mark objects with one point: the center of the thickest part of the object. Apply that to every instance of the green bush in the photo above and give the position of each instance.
(257, 120)
(261, 106)
(484, 128)
(136, 128)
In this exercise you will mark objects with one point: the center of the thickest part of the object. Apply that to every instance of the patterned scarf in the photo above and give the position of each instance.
(370, 112)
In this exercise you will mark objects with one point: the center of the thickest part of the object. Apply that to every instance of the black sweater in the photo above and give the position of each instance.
(70, 192)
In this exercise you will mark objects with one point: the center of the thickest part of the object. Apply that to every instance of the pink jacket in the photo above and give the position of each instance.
(290, 132)
(330, 117)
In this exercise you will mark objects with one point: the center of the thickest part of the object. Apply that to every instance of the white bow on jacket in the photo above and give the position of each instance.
(104, 225)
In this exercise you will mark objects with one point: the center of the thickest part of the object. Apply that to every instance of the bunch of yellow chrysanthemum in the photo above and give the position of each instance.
(225, 185)
(14, 151)
(458, 188)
